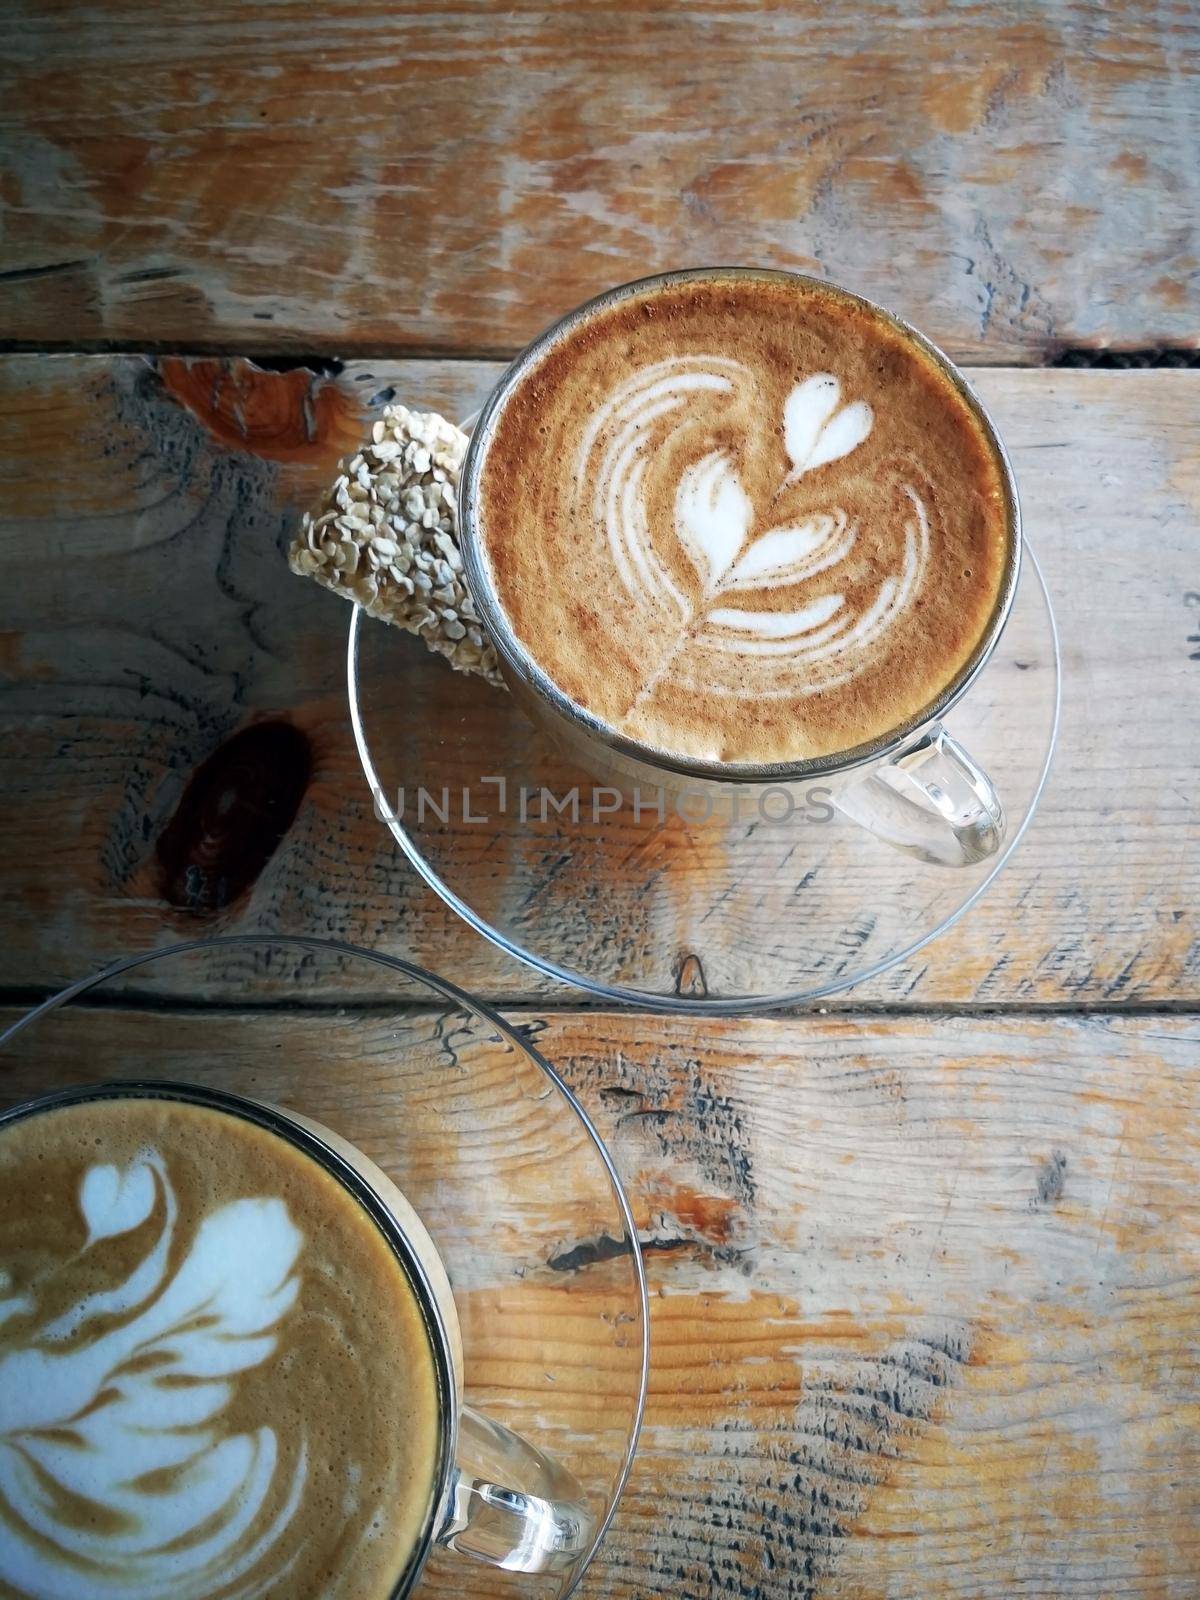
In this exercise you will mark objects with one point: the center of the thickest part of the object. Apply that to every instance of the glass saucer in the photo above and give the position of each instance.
(772, 908)
(479, 1131)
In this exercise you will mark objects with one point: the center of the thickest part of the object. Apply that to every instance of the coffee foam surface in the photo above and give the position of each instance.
(214, 1379)
(743, 520)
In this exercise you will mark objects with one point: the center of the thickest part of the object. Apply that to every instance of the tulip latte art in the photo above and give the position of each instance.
(214, 1379)
(743, 519)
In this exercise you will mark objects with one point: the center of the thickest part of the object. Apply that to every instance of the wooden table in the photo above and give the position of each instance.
(926, 1283)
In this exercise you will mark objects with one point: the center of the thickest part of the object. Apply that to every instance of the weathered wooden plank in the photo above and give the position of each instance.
(417, 179)
(149, 618)
(925, 1292)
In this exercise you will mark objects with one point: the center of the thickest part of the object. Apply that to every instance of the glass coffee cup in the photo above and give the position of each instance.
(513, 1337)
(493, 1496)
(913, 785)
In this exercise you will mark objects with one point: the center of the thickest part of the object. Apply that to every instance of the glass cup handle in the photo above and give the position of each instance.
(512, 1506)
(930, 800)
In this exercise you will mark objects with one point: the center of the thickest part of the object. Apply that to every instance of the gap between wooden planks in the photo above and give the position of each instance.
(422, 179)
(925, 1292)
(147, 616)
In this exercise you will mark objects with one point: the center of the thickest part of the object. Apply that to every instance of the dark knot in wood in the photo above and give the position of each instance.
(236, 809)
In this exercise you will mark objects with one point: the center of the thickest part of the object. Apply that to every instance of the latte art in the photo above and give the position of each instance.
(741, 518)
(140, 1404)
(184, 1410)
(723, 535)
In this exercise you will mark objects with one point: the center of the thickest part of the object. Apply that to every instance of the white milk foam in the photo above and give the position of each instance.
(725, 648)
(145, 1396)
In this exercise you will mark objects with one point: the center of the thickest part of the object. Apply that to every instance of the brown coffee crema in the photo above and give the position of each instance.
(215, 1379)
(744, 520)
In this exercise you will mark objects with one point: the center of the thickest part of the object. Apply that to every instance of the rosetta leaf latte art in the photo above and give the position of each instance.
(783, 554)
(765, 650)
(131, 1420)
(815, 430)
(712, 515)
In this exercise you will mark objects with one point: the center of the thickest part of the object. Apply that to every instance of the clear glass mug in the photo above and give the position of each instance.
(916, 786)
(496, 1497)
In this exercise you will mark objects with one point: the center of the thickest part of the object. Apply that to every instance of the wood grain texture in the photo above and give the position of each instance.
(925, 1292)
(430, 179)
(154, 620)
